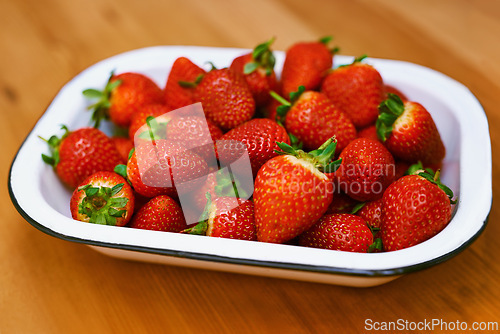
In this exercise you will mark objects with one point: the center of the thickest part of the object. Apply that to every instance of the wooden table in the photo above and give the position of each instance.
(52, 286)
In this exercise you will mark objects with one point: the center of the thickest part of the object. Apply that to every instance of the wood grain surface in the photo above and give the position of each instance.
(49, 285)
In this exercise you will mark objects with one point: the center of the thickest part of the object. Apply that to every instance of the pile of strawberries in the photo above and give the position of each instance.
(340, 160)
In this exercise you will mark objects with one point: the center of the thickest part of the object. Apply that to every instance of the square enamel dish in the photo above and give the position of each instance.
(44, 202)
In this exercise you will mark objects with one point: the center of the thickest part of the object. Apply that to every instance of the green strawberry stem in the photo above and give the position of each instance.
(100, 205)
(285, 106)
(376, 245)
(202, 226)
(326, 40)
(101, 107)
(389, 111)
(190, 84)
(321, 158)
(431, 176)
(54, 142)
(262, 57)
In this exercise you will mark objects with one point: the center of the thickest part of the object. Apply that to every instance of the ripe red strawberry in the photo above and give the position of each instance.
(134, 176)
(344, 232)
(122, 96)
(389, 89)
(124, 145)
(259, 136)
(164, 163)
(219, 183)
(139, 118)
(225, 98)
(371, 212)
(197, 134)
(80, 153)
(103, 198)
(415, 208)
(181, 81)
(291, 192)
(160, 213)
(227, 217)
(409, 132)
(258, 69)
(366, 170)
(306, 64)
(312, 118)
(341, 203)
(357, 89)
(369, 132)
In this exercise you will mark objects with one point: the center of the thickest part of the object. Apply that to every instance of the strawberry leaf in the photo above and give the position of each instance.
(389, 111)
(116, 189)
(250, 67)
(376, 245)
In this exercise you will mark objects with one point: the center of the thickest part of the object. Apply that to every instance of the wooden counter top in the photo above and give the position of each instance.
(49, 285)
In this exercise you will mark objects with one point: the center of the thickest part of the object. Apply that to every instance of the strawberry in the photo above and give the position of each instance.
(258, 69)
(389, 89)
(124, 145)
(341, 203)
(371, 212)
(357, 89)
(103, 198)
(344, 232)
(133, 174)
(139, 118)
(291, 192)
(122, 96)
(409, 132)
(216, 185)
(164, 163)
(160, 213)
(415, 208)
(225, 98)
(80, 153)
(306, 64)
(312, 118)
(195, 133)
(259, 136)
(369, 132)
(366, 170)
(181, 81)
(227, 217)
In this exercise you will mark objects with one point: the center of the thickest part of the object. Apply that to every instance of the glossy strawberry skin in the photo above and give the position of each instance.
(367, 169)
(306, 64)
(165, 164)
(371, 213)
(134, 91)
(415, 136)
(289, 196)
(160, 213)
(232, 218)
(259, 136)
(313, 119)
(259, 82)
(138, 119)
(104, 179)
(225, 98)
(82, 153)
(344, 232)
(148, 191)
(357, 89)
(197, 134)
(124, 145)
(183, 70)
(413, 210)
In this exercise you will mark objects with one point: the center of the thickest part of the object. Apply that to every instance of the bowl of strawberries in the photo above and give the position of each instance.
(300, 164)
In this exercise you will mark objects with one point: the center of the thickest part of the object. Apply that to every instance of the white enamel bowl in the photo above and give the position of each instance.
(44, 202)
